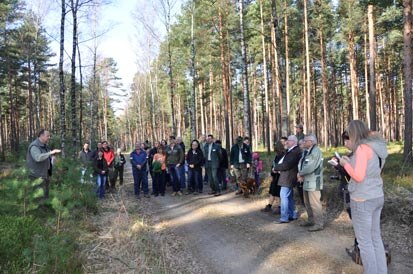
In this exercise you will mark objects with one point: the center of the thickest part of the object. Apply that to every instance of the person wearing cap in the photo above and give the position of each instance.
(240, 160)
(299, 132)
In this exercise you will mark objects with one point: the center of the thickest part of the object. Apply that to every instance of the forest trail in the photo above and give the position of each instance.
(206, 234)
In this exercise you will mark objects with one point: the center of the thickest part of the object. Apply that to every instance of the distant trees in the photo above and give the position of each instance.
(225, 67)
(307, 62)
(33, 94)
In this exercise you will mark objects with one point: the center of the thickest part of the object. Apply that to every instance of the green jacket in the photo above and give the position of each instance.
(245, 151)
(174, 155)
(310, 167)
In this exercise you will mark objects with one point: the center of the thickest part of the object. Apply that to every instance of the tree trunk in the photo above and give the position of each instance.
(193, 72)
(74, 7)
(170, 72)
(30, 99)
(308, 110)
(61, 78)
(353, 76)
(372, 78)
(267, 142)
(407, 56)
(324, 76)
(287, 61)
(225, 79)
(80, 128)
(244, 62)
(366, 76)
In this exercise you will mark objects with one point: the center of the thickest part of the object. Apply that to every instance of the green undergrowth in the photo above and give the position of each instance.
(38, 235)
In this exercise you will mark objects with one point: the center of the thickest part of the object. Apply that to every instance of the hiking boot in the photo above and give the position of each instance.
(212, 193)
(315, 228)
(307, 224)
(179, 193)
(147, 196)
(174, 193)
(239, 192)
(217, 194)
(276, 211)
(267, 208)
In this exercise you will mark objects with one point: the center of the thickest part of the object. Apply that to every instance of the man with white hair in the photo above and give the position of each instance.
(310, 172)
(287, 166)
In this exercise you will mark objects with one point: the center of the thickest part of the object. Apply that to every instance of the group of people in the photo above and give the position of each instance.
(168, 162)
(298, 163)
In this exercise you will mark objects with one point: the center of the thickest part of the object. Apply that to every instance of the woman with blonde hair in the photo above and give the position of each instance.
(366, 193)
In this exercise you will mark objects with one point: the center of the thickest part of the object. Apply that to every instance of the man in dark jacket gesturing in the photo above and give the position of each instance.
(288, 167)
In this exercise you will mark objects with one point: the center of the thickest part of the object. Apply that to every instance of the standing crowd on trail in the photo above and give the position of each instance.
(298, 164)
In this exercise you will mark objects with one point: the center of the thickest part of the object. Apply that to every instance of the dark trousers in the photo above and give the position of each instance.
(158, 182)
(195, 180)
(301, 194)
(222, 180)
(140, 178)
(174, 173)
(118, 172)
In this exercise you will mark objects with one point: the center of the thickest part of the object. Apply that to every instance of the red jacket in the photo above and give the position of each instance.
(109, 156)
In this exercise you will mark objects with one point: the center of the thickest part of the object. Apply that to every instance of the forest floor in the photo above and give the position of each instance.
(225, 234)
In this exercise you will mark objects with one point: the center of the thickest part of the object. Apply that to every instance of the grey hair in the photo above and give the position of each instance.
(312, 138)
(293, 138)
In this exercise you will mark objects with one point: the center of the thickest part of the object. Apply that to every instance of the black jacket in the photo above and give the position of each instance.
(195, 158)
(224, 158)
(100, 165)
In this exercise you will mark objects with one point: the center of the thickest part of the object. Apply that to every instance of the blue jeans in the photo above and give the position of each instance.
(140, 177)
(287, 204)
(366, 223)
(100, 185)
(174, 172)
(182, 178)
(195, 180)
